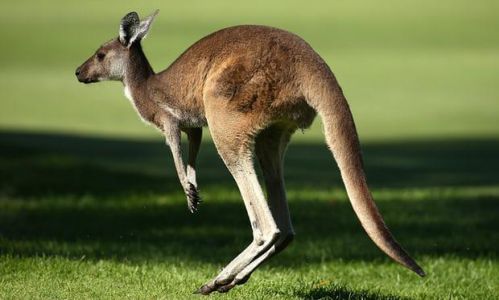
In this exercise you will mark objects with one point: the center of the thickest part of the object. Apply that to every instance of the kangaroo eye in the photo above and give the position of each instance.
(101, 55)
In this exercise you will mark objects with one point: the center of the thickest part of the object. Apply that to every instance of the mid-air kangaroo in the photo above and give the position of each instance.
(253, 86)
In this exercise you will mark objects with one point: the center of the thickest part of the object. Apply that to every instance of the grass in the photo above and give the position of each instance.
(99, 217)
(90, 206)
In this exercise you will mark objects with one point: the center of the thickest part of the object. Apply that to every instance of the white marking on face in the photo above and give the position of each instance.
(117, 69)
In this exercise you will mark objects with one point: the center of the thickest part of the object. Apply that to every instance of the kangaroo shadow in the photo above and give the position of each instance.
(73, 187)
(335, 292)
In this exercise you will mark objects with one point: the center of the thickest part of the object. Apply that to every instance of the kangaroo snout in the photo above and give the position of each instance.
(82, 77)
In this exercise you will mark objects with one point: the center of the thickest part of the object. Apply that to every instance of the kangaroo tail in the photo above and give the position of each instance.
(342, 140)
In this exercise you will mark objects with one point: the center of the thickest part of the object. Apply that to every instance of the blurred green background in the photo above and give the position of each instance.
(90, 206)
(409, 70)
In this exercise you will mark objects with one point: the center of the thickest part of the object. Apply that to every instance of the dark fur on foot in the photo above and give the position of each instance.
(205, 290)
(193, 198)
(226, 288)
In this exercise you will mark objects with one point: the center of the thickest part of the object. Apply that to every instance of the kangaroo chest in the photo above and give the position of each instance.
(152, 112)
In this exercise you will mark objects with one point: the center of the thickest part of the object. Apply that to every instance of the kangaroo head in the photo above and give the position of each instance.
(110, 61)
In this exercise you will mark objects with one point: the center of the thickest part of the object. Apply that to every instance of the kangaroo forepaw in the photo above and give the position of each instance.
(193, 198)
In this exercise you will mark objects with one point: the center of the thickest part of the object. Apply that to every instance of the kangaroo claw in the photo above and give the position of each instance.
(193, 198)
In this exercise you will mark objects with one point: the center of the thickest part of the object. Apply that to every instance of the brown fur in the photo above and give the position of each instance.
(253, 86)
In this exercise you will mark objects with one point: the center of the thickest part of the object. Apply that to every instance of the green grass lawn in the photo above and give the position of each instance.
(90, 206)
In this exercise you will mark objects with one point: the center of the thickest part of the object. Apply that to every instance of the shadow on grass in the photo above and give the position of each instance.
(335, 292)
(73, 196)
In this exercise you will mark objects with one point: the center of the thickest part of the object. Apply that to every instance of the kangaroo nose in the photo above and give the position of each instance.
(77, 72)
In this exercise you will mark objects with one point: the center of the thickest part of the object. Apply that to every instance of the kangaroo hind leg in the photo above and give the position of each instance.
(270, 148)
(236, 150)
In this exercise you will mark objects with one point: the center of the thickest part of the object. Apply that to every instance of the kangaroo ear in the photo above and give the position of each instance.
(128, 27)
(132, 30)
(145, 25)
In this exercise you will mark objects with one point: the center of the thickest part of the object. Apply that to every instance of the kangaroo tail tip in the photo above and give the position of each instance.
(420, 272)
(416, 269)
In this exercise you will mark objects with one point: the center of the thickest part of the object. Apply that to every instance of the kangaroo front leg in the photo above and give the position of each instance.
(194, 136)
(172, 134)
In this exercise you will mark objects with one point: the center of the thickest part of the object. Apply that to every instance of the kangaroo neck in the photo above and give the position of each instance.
(138, 69)
(137, 85)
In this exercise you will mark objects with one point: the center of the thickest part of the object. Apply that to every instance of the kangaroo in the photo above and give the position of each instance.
(253, 87)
